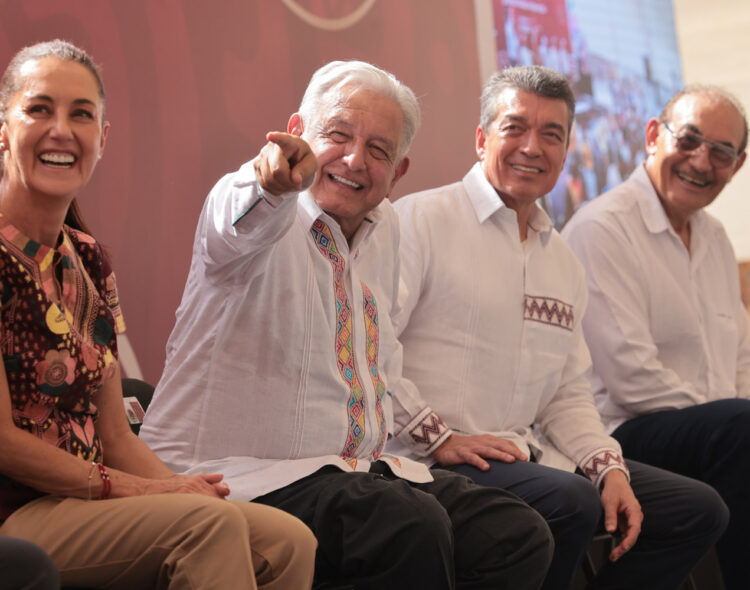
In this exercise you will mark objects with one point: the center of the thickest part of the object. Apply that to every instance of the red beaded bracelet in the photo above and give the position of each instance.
(106, 482)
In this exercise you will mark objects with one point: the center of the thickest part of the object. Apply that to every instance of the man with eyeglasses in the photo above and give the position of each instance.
(668, 334)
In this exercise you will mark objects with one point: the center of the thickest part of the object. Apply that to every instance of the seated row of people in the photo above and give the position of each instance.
(415, 394)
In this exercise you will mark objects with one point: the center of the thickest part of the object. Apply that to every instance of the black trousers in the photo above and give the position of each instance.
(683, 518)
(709, 442)
(376, 531)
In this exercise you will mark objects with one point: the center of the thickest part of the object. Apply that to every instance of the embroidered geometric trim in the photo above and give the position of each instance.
(344, 351)
(395, 460)
(597, 463)
(371, 330)
(548, 311)
(428, 430)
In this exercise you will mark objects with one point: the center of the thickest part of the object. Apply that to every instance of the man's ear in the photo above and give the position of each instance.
(295, 126)
(652, 135)
(738, 164)
(480, 142)
(400, 170)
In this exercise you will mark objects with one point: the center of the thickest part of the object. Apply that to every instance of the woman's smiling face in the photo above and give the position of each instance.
(53, 133)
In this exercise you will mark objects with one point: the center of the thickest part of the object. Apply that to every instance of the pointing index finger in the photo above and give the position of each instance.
(291, 145)
(298, 153)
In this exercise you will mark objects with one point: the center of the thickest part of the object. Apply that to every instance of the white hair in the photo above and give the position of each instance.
(365, 76)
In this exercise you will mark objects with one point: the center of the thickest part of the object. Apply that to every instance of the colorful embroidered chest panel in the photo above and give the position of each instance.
(344, 349)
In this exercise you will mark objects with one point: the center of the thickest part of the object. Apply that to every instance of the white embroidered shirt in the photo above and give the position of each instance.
(492, 341)
(283, 352)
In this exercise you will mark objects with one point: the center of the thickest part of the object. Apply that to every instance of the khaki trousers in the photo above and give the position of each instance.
(175, 541)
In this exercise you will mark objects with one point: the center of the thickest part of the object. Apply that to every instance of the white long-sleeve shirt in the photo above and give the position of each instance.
(666, 326)
(491, 330)
(254, 383)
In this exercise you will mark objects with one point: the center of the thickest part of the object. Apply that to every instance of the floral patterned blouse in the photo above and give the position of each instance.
(59, 316)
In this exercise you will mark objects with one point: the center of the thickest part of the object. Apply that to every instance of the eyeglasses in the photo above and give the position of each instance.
(719, 154)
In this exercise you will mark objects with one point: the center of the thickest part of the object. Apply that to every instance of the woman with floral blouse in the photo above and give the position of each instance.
(74, 479)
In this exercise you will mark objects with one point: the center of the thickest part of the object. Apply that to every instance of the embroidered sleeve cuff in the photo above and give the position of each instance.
(598, 463)
(425, 432)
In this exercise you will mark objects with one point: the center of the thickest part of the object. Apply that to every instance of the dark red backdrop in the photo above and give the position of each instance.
(194, 85)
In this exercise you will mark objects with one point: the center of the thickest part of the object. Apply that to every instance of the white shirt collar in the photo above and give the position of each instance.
(486, 202)
(652, 210)
(309, 211)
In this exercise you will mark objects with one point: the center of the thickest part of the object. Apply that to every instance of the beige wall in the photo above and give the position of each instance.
(715, 48)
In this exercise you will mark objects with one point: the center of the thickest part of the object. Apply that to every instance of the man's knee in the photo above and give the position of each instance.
(374, 511)
(531, 536)
(678, 507)
(578, 503)
(735, 421)
(24, 565)
(412, 511)
(384, 530)
(537, 538)
(509, 542)
(704, 513)
(500, 531)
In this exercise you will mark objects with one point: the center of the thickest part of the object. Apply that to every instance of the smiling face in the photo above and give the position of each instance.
(356, 140)
(524, 150)
(53, 130)
(687, 182)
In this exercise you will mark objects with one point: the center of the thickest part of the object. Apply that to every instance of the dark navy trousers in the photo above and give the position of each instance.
(711, 443)
(683, 518)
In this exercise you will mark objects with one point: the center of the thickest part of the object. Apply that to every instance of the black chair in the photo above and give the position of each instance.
(602, 544)
(143, 392)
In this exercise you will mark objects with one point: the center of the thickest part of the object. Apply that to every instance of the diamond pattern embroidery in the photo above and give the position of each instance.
(371, 329)
(344, 355)
(548, 310)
